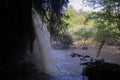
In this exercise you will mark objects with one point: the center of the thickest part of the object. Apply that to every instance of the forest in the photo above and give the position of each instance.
(98, 26)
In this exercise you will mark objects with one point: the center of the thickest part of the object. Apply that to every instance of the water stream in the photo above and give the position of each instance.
(42, 42)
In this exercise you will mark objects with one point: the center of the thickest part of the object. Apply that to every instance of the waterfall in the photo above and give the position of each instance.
(42, 51)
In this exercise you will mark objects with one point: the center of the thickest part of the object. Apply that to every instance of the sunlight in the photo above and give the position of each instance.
(79, 5)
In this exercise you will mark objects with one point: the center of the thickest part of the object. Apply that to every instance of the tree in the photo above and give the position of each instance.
(52, 13)
(107, 20)
(83, 35)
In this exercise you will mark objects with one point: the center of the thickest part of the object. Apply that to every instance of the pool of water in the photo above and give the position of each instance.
(49, 77)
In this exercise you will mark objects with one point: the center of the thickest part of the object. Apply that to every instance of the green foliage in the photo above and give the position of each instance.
(107, 20)
(76, 24)
(51, 12)
(76, 18)
(84, 33)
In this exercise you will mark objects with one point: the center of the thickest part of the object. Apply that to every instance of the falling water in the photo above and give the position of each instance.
(42, 46)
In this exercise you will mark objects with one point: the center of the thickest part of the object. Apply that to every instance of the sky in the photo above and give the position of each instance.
(78, 4)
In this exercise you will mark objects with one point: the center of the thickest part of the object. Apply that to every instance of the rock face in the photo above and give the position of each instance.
(16, 32)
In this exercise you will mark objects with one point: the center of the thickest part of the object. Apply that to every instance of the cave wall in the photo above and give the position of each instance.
(16, 33)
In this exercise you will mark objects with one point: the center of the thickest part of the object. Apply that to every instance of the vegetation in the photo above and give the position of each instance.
(78, 30)
(107, 28)
(76, 19)
(104, 24)
(52, 14)
(100, 70)
(106, 20)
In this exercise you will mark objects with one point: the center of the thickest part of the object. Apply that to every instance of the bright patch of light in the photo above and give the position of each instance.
(79, 5)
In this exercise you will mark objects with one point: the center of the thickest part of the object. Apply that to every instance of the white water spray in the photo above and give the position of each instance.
(42, 49)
